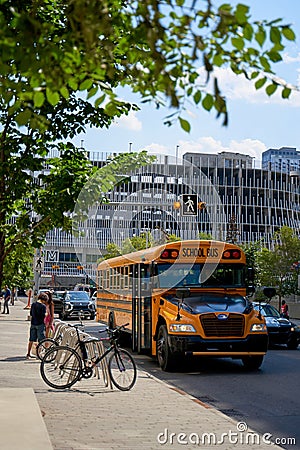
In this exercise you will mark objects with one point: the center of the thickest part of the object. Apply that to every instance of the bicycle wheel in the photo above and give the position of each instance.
(122, 369)
(61, 367)
(44, 346)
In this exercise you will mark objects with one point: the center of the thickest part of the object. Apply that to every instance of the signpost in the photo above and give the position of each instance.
(189, 204)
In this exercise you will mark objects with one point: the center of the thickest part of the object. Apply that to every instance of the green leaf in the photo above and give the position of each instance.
(23, 117)
(241, 13)
(260, 36)
(274, 56)
(218, 60)
(85, 85)
(238, 43)
(254, 75)
(259, 83)
(52, 97)
(38, 99)
(197, 97)
(248, 32)
(288, 33)
(286, 92)
(99, 100)
(93, 91)
(185, 125)
(73, 84)
(65, 92)
(275, 35)
(265, 63)
(208, 102)
(271, 89)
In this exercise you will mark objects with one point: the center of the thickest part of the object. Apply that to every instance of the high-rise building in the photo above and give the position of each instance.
(243, 204)
(284, 159)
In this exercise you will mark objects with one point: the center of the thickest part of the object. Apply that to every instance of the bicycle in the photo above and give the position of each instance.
(63, 366)
(47, 343)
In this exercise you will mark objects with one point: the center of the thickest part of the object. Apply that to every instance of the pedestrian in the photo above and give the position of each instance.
(284, 310)
(37, 326)
(49, 318)
(6, 298)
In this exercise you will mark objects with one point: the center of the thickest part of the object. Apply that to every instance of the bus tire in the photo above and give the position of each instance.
(111, 321)
(166, 359)
(252, 362)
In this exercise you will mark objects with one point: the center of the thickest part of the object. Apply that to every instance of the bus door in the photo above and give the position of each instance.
(141, 309)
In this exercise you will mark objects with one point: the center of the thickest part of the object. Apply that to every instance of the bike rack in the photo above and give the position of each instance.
(94, 347)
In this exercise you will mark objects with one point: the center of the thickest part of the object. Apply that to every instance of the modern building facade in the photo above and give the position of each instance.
(243, 203)
(284, 159)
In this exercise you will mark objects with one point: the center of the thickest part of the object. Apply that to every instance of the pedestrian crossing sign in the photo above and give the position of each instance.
(189, 204)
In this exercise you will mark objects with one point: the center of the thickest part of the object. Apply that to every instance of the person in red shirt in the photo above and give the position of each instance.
(284, 310)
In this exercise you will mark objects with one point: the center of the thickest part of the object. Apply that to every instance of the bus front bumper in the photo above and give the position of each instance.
(195, 345)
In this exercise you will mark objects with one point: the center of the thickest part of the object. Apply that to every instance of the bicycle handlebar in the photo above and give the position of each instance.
(113, 331)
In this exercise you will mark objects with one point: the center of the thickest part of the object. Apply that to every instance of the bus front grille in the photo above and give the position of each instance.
(233, 326)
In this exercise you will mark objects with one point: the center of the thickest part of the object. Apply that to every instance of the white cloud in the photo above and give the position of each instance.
(237, 87)
(207, 144)
(130, 122)
(290, 59)
(158, 149)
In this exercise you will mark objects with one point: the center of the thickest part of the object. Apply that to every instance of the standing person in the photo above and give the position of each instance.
(37, 327)
(284, 310)
(49, 318)
(6, 298)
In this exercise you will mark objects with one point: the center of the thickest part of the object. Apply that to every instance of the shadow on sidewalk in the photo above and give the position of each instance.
(14, 359)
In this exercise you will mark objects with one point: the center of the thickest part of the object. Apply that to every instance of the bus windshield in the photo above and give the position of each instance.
(203, 303)
(183, 275)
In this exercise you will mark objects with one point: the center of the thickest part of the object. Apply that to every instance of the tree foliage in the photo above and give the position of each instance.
(275, 266)
(51, 49)
(61, 62)
(31, 203)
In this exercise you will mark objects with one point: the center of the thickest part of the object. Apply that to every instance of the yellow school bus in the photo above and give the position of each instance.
(185, 298)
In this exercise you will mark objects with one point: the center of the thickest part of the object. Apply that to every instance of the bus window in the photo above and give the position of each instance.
(181, 275)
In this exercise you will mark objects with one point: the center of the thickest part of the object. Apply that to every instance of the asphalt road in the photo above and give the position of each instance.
(268, 400)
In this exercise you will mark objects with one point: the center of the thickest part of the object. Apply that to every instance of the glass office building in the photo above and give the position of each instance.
(243, 203)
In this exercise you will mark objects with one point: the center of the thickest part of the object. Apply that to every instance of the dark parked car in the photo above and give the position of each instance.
(72, 303)
(280, 330)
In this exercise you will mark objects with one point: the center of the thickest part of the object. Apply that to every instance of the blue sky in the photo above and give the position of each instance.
(256, 122)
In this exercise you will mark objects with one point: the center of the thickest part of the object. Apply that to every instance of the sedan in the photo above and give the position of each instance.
(280, 330)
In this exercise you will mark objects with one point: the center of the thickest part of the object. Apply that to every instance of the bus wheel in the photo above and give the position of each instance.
(111, 321)
(165, 358)
(252, 362)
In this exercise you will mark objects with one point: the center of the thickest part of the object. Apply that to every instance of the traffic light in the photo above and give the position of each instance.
(55, 266)
(80, 267)
(201, 205)
(177, 205)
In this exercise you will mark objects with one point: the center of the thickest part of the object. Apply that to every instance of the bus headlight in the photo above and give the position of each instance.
(181, 327)
(258, 327)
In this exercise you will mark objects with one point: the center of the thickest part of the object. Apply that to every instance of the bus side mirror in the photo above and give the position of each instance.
(269, 292)
(181, 294)
(250, 274)
(250, 290)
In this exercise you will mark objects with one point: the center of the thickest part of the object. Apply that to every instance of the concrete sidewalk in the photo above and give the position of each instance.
(90, 416)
